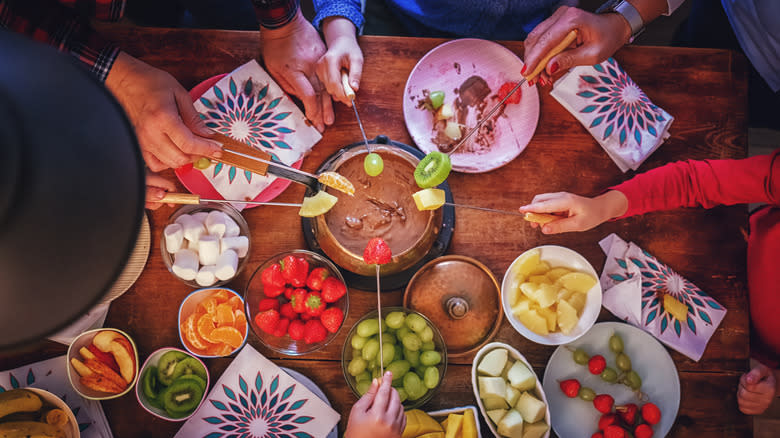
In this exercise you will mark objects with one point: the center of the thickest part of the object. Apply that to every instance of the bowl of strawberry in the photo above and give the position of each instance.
(296, 302)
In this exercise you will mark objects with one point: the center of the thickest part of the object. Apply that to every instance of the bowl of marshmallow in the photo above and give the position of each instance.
(205, 245)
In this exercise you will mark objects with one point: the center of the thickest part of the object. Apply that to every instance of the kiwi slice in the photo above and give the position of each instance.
(433, 169)
(167, 364)
(150, 384)
(194, 378)
(189, 365)
(181, 398)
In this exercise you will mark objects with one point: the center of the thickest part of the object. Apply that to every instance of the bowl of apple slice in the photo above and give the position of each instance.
(102, 364)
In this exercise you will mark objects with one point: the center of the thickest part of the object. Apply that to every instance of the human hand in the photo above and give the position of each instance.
(578, 212)
(290, 54)
(156, 188)
(161, 111)
(343, 54)
(598, 37)
(756, 390)
(378, 414)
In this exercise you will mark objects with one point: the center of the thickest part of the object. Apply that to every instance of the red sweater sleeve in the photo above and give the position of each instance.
(704, 184)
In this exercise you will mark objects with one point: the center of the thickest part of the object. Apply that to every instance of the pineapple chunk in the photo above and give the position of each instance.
(539, 279)
(511, 425)
(496, 414)
(534, 322)
(523, 305)
(551, 317)
(567, 317)
(429, 199)
(527, 263)
(676, 308)
(514, 295)
(520, 377)
(531, 408)
(546, 295)
(512, 395)
(493, 362)
(529, 290)
(565, 294)
(492, 403)
(419, 423)
(577, 281)
(540, 269)
(535, 430)
(578, 302)
(454, 422)
(492, 387)
(555, 273)
(469, 426)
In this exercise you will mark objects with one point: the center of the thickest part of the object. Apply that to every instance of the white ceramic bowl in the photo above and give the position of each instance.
(153, 359)
(83, 340)
(72, 429)
(557, 256)
(189, 306)
(515, 355)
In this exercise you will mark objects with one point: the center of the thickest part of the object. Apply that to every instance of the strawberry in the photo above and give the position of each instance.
(272, 276)
(298, 300)
(281, 327)
(288, 312)
(603, 403)
(314, 304)
(316, 277)
(606, 420)
(596, 364)
(267, 320)
(597, 435)
(273, 291)
(651, 413)
(288, 292)
(505, 89)
(314, 332)
(614, 431)
(106, 358)
(332, 289)
(377, 252)
(643, 431)
(570, 387)
(331, 318)
(294, 270)
(628, 413)
(305, 317)
(267, 304)
(295, 329)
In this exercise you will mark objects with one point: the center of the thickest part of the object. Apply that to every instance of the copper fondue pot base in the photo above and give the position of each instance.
(418, 236)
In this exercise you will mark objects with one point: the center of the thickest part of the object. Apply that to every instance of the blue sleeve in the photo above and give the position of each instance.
(349, 9)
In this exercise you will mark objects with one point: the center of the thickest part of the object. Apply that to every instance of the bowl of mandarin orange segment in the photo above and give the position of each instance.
(212, 322)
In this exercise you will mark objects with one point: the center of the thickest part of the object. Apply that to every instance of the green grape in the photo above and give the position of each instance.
(616, 343)
(388, 338)
(633, 380)
(609, 375)
(413, 357)
(623, 362)
(395, 320)
(436, 98)
(430, 358)
(580, 356)
(358, 342)
(363, 376)
(402, 394)
(415, 322)
(431, 377)
(373, 164)
(428, 346)
(413, 386)
(388, 354)
(426, 335)
(403, 331)
(356, 366)
(397, 383)
(373, 363)
(411, 342)
(368, 328)
(586, 394)
(399, 353)
(362, 387)
(420, 371)
(201, 163)
(371, 349)
(399, 368)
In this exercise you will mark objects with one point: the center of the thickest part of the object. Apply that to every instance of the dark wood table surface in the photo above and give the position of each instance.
(705, 90)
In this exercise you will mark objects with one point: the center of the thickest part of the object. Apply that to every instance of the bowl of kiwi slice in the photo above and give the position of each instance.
(173, 384)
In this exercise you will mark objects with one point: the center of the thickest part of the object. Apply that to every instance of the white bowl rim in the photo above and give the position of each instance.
(517, 356)
(589, 315)
(243, 309)
(75, 432)
(151, 409)
(71, 370)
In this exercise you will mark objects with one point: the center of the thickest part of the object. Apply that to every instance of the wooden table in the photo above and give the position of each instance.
(705, 90)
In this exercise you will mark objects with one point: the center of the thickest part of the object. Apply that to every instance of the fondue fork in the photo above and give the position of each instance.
(351, 95)
(191, 198)
(379, 316)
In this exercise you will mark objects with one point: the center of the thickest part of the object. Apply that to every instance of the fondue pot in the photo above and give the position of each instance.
(382, 207)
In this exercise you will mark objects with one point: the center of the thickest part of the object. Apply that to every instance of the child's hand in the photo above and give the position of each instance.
(756, 390)
(343, 54)
(579, 213)
(378, 414)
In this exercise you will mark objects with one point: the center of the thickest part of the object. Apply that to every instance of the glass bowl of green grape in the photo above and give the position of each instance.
(412, 348)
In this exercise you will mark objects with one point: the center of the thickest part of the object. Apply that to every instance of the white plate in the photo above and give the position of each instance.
(574, 418)
(311, 386)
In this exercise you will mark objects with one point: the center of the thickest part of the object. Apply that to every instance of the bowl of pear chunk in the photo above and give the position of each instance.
(509, 394)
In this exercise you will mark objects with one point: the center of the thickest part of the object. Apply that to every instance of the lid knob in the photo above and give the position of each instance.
(457, 307)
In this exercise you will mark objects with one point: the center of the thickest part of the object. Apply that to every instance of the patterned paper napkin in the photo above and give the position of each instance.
(615, 110)
(255, 398)
(250, 107)
(635, 284)
(51, 375)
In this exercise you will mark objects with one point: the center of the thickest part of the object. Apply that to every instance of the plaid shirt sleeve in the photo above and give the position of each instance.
(273, 14)
(63, 24)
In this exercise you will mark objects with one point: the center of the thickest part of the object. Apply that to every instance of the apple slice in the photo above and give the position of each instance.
(123, 353)
(86, 354)
(82, 369)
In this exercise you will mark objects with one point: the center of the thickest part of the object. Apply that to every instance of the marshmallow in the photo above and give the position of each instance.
(185, 264)
(200, 216)
(206, 276)
(174, 236)
(227, 265)
(240, 244)
(231, 227)
(215, 223)
(192, 228)
(208, 249)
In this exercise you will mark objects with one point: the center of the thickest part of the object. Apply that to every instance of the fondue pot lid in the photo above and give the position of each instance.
(399, 280)
(461, 297)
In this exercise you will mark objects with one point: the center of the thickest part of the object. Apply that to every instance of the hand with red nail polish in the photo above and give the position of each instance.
(379, 413)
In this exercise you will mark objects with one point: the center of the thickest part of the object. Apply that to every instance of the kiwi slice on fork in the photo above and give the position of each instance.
(433, 170)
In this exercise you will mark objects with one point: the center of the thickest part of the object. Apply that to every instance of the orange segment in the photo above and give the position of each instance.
(228, 335)
(205, 326)
(222, 295)
(219, 350)
(337, 181)
(240, 322)
(190, 334)
(209, 305)
(224, 315)
(236, 302)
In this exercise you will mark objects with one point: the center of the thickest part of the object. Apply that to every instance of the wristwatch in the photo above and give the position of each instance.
(628, 11)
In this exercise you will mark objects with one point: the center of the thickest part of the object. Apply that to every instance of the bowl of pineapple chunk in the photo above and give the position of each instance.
(551, 295)
(509, 394)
